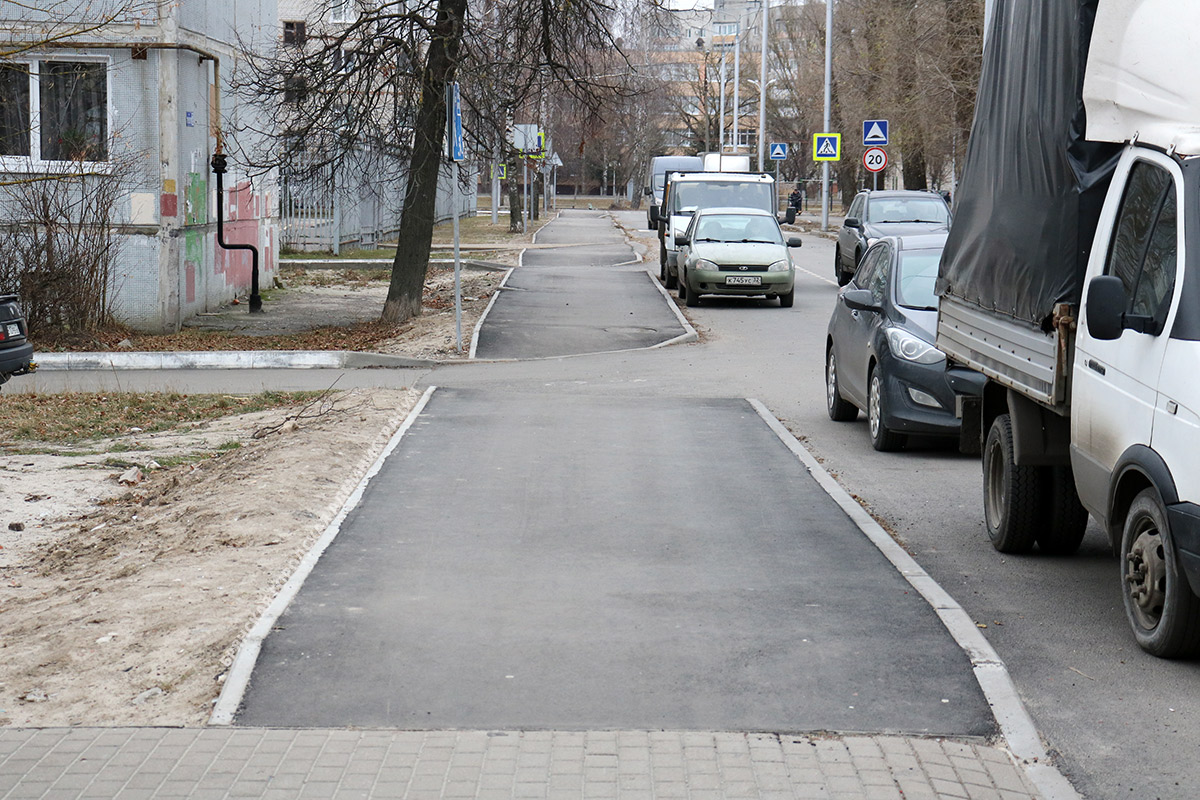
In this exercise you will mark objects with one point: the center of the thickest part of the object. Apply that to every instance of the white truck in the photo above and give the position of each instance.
(1071, 279)
(687, 192)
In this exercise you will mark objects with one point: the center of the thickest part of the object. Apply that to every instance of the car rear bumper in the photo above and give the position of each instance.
(16, 358)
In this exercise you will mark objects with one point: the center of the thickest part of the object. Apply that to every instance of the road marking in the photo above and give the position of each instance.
(1020, 734)
(818, 277)
(238, 677)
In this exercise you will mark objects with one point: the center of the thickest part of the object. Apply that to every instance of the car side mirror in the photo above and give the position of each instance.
(654, 217)
(680, 241)
(860, 300)
(853, 222)
(1106, 302)
(794, 241)
(789, 216)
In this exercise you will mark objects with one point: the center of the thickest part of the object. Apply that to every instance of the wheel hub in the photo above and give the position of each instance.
(873, 407)
(1146, 575)
(830, 381)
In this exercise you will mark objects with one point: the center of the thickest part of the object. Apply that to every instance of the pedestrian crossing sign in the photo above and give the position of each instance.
(827, 147)
(500, 171)
(778, 151)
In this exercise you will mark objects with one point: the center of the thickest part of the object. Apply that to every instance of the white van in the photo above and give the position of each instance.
(656, 177)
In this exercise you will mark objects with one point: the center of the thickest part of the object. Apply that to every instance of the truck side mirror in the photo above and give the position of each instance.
(794, 241)
(646, 191)
(654, 214)
(789, 216)
(1106, 302)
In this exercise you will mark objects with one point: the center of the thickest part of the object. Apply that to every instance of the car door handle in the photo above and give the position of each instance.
(1095, 365)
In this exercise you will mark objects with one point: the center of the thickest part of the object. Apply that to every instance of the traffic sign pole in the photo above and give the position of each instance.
(457, 154)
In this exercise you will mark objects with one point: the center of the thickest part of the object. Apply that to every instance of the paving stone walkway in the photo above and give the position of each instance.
(135, 763)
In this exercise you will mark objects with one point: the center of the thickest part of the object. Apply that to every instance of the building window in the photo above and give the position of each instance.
(294, 33)
(341, 10)
(54, 110)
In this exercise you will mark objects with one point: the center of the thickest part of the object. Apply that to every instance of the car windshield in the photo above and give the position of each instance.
(737, 228)
(907, 209)
(688, 196)
(915, 279)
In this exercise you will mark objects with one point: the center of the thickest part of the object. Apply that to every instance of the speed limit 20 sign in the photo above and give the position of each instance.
(875, 159)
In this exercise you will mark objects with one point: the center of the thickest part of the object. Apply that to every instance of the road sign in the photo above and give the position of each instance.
(778, 151)
(458, 151)
(500, 171)
(827, 147)
(875, 132)
(875, 159)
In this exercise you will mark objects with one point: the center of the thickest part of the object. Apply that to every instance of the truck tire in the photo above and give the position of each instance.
(1066, 518)
(1013, 497)
(1160, 605)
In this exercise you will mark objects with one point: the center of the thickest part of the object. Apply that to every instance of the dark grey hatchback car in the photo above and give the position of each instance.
(16, 353)
(873, 215)
(879, 353)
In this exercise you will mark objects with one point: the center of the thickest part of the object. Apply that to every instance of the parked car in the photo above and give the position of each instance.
(735, 251)
(879, 353)
(873, 215)
(16, 353)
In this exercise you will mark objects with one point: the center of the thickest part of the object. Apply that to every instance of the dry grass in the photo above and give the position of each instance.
(57, 418)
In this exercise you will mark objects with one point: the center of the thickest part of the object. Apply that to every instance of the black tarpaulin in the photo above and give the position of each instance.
(1032, 186)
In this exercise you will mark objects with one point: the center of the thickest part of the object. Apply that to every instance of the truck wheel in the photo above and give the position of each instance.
(1159, 603)
(1012, 495)
(1066, 518)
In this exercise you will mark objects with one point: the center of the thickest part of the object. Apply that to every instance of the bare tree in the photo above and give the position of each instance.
(379, 83)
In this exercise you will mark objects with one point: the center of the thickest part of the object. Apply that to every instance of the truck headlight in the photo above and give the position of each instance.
(779, 266)
(911, 348)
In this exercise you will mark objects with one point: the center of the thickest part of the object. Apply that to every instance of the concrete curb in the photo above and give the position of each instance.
(1016, 726)
(486, 311)
(229, 359)
(238, 677)
(689, 334)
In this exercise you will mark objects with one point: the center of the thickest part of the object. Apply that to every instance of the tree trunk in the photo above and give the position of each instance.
(536, 186)
(420, 195)
(516, 210)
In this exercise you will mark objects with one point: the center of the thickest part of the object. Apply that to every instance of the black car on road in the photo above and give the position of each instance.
(879, 353)
(873, 215)
(16, 353)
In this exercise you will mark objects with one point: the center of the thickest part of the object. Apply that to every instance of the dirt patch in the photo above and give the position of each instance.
(124, 604)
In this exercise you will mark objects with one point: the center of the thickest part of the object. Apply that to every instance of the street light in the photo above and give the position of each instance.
(762, 117)
(763, 84)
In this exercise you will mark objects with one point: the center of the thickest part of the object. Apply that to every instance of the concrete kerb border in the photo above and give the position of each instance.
(690, 335)
(238, 677)
(486, 311)
(1016, 725)
(228, 359)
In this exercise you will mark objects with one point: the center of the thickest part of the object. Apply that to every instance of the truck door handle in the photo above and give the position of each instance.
(1096, 365)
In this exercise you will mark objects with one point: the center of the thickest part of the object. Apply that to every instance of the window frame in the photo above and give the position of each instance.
(342, 11)
(34, 161)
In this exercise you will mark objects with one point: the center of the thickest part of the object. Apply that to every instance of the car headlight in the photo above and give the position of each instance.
(780, 266)
(911, 348)
(705, 264)
(871, 240)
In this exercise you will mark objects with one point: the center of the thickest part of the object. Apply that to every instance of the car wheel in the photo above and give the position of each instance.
(839, 409)
(691, 298)
(788, 298)
(837, 264)
(1066, 518)
(882, 439)
(1012, 495)
(1160, 605)
(681, 287)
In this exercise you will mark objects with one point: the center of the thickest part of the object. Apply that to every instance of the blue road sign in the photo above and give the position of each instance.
(875, 132)
(827, 147)
(458, 152)
(778, 151)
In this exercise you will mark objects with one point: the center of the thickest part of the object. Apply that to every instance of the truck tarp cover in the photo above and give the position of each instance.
(1031, 187)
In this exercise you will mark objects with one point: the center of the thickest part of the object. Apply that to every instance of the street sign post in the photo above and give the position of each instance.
(457, 153)
(827, 147)
(875, 132)
(875, 159)
(778, 151)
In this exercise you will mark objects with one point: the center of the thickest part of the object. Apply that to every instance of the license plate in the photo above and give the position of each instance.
(13, 330)
(743, 280)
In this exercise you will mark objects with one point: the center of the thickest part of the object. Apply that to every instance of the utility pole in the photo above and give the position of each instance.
(762, 90)
(828, 98)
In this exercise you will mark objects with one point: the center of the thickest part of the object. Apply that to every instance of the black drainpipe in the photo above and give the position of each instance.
(218, 168)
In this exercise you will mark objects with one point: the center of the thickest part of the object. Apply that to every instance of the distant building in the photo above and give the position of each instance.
(143, 99)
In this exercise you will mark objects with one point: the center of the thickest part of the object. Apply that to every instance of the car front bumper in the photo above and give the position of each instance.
(713, 282)
(903, 413)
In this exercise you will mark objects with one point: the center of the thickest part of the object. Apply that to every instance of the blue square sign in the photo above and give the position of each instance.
(778, 151)
(875, 132)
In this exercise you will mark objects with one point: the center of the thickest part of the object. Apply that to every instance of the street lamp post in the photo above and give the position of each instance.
(762, 88)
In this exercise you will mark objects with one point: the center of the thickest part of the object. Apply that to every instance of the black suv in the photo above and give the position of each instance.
(16, 353)
(873, 215)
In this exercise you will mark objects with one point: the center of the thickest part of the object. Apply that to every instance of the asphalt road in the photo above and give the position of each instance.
(560, 561)
(1123, 724)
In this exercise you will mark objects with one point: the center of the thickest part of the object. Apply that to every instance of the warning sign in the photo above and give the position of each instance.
(827, 147)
